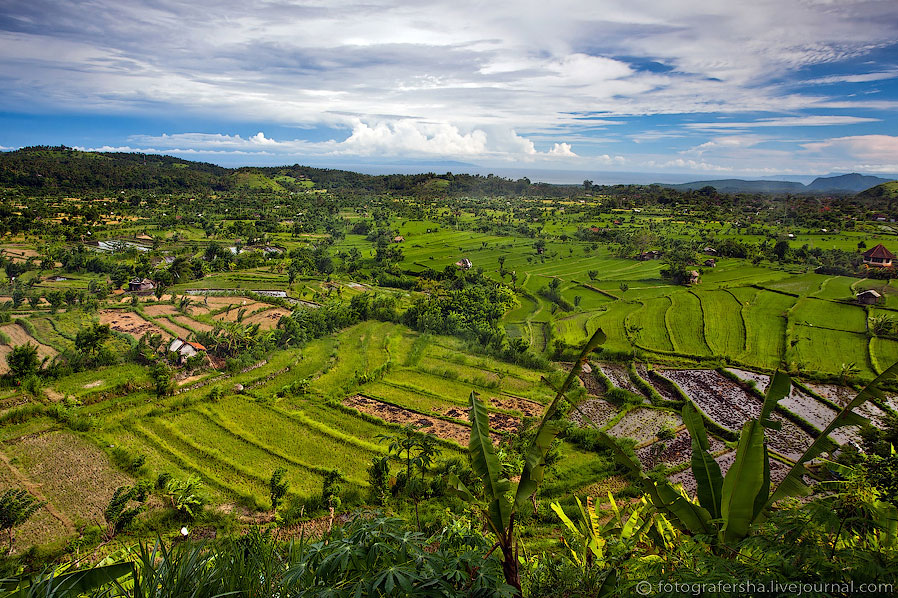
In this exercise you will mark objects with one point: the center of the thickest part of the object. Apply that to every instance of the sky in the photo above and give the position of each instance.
(708, 89)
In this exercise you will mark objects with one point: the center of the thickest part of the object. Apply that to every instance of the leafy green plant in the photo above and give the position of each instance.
(185, 495)
(331, 487)
(500, 509)
(278, 486)
(379, 479)
(118, 514)
(16, 507)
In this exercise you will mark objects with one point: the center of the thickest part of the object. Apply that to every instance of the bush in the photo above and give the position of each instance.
(127, 461)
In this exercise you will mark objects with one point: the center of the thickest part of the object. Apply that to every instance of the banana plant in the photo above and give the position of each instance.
(591, 540)
(501, 506)
(728, 506)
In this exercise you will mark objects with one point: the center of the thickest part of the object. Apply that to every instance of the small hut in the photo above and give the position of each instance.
(141, 285)
(185, 349)
(868, 297)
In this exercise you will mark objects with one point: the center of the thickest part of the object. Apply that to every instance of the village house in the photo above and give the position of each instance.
(398, 239)
(868, 297)
(879, 257)
(138, 285)
(464, 263)
(185, 349)
(693, 277)
(649, 255)
(710, 262)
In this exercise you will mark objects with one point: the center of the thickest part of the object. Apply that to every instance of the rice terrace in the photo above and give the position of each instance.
(282, 348)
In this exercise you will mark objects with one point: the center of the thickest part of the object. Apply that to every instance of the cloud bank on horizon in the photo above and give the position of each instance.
(760, 88)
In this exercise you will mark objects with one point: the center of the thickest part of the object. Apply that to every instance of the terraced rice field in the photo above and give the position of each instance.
(765, 326)
(619, 376)
(642, 424)
(674, 452)
(396, 415)
(685, 324)
(61, 467)
(724, 327)
(719, 398)
(593, 413)
(652, 335)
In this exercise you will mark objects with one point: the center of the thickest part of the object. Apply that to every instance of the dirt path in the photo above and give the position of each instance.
(34, 490)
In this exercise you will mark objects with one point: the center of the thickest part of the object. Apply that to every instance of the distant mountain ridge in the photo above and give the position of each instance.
(844, 183)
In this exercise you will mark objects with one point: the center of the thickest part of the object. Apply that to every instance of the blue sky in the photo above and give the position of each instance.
(712, 89)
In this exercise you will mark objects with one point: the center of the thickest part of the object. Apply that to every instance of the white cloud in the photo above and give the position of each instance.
(536, 64)
(680, 163)
(562, 149)
(786, 121)
(406, 137)
(725, 143)
(859, 78)
(384, 138)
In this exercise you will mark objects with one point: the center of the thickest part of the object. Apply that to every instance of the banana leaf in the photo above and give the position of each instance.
(743, 482)
(705, 469)
(535, 454)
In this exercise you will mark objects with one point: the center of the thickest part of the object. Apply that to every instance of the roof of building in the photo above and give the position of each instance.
(869, 292)
(879, 252)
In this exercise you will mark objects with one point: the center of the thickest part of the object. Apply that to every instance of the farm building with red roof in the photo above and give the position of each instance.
(879, 257)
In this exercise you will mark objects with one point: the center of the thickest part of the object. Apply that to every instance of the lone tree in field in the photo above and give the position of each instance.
(23, 362)
(16, 507)
(89, 340)
(278, 487)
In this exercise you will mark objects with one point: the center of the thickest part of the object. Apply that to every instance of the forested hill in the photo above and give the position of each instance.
(62, 169)
(49, 170)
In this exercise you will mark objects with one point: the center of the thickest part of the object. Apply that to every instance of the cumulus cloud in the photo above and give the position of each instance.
(408, 137)
(562, 149)
(383, 138)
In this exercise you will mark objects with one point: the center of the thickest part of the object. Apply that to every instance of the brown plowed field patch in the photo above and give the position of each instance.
(179, 330)
(199, 326)
(527, 407)
(675, 451)
(129, 323)
(643, 423)
(267, 319)
(231, 316)
(160, 309)
(19, 336)
(397, 415)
